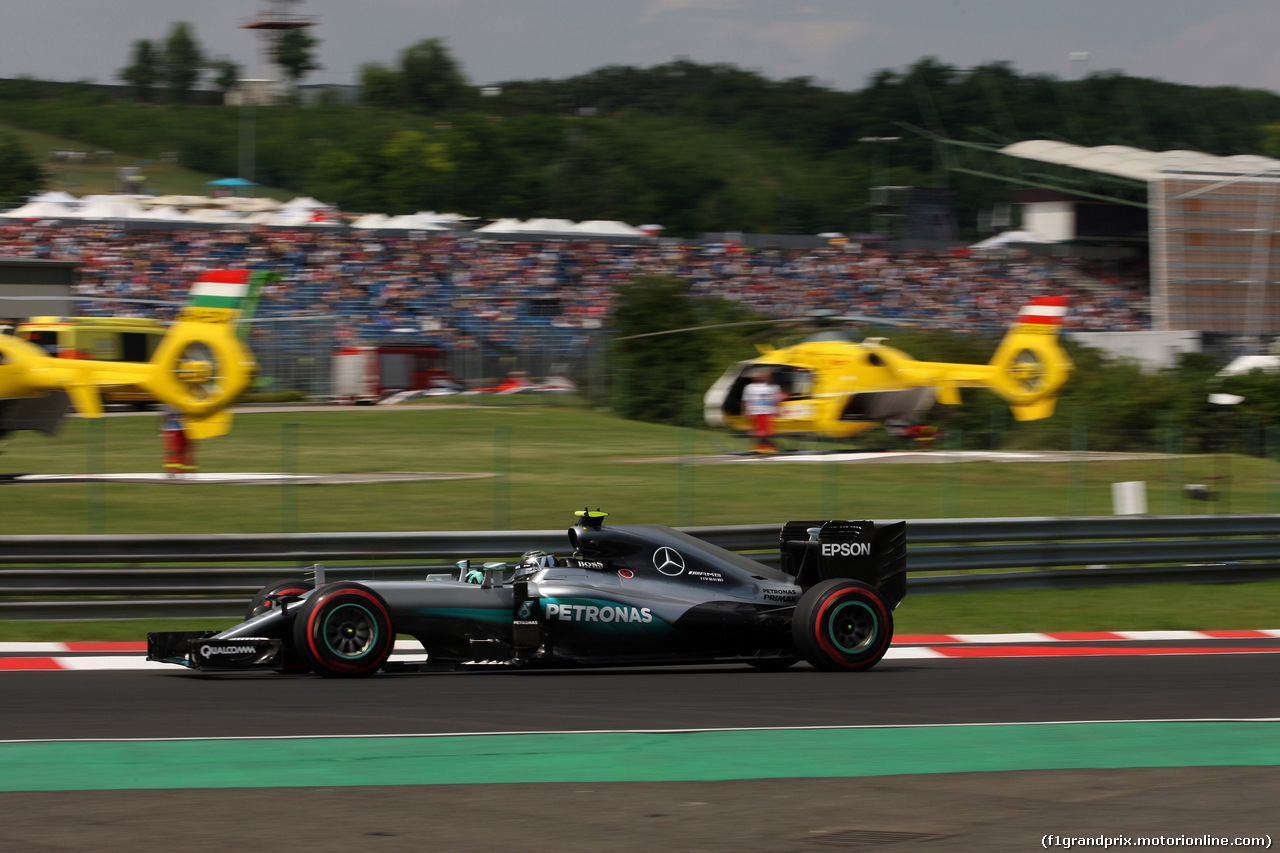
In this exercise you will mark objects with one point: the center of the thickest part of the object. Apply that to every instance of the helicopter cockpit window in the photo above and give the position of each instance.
(48, 341)
(797, 382)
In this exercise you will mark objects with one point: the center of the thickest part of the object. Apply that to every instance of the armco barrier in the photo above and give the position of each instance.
(112, 577)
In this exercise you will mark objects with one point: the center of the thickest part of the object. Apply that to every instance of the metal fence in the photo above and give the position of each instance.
(213, 576)
(295, 353)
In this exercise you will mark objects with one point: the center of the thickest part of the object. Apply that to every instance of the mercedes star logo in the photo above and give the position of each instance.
(668, 561)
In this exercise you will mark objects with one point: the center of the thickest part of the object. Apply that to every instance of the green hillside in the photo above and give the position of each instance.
(101, 173)
(694, 147)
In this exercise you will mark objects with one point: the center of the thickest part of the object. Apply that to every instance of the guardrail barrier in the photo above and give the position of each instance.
(213, 576)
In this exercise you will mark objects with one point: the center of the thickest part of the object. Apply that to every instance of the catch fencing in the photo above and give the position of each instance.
(213, 576)
(295, 353)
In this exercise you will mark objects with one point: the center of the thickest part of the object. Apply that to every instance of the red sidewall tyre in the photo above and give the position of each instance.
(277, 592)
(842, 625)
(344, 630)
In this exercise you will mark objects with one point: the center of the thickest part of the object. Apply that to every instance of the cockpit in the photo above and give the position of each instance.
(532, 562)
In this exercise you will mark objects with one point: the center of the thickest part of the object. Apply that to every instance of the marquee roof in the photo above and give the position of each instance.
(1139, 165)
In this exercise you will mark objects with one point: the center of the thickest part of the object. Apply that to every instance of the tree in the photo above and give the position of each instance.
(411, 165)
(380, 86)
(226, 74)
(592, 180)
(431, 78)
(345, 179)
(182, 62)
(654, 372)
(662, 378)
(294, 51)
(143, 72)
(20, 174)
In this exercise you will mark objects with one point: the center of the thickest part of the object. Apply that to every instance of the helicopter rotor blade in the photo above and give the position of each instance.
(871, 320)
(714, 326)
(820, 317)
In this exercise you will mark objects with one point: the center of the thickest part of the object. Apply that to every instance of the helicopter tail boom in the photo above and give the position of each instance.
(1028, 369)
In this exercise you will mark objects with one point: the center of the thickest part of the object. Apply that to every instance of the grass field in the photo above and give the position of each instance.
(542, 461)
(88, 178)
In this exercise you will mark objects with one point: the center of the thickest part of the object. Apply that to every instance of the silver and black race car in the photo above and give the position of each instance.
(629, 595)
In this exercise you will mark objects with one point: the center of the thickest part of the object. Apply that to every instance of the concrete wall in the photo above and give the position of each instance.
(1153, 350)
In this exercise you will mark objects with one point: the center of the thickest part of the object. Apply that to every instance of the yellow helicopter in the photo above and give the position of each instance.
(200, 367)
(836, 388)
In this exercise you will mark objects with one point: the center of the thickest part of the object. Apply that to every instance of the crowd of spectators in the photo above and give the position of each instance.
(450, 288)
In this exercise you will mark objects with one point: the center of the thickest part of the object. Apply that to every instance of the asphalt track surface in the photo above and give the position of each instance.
(168, 704)
(1010, 810)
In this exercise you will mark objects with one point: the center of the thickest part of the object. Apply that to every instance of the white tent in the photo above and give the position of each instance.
(41, 210)
(440, 221)
(215, 215)
(414, 222)
(107, 207)
(55, 196)
(371, 221)
(607, 228)
(502, 226)
(301, 212)
(1010, 237)
(303, 203)
(247, 205)
(164, 213)
(114, 197)
(300, 218)
(450, 220)
(548, 226)
(181, 201)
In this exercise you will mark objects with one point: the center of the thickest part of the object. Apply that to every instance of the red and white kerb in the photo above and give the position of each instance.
(1044, 311)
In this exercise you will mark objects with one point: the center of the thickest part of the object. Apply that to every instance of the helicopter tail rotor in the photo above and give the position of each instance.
(1030, 366)
(201, 366)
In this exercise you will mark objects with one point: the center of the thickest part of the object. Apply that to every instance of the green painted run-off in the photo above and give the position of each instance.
(647, 757)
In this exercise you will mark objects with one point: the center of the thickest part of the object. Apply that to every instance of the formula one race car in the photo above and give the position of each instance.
(629, 595)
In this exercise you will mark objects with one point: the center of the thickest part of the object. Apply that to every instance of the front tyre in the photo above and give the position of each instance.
(842, 625)
(343, 630)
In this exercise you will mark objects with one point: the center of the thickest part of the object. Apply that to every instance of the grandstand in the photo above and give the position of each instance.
(539, 305)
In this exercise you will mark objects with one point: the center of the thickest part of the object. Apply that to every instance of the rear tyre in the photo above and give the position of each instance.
(842, 625)
(343, 631)
(276, 593)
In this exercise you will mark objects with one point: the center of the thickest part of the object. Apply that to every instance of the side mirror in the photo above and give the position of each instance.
(466, 574)
(493, 575)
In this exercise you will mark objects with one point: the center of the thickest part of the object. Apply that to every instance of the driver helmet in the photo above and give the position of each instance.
(532, 561)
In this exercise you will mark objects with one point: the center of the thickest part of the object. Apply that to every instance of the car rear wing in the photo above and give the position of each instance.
(876, 554)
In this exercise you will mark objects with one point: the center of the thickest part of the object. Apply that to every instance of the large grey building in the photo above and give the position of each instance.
(1213, 224)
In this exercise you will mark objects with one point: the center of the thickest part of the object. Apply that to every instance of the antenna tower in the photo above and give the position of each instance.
(275, 17)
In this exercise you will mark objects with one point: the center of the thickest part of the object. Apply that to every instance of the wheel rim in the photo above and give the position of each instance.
(350, 631)
(853, 627)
